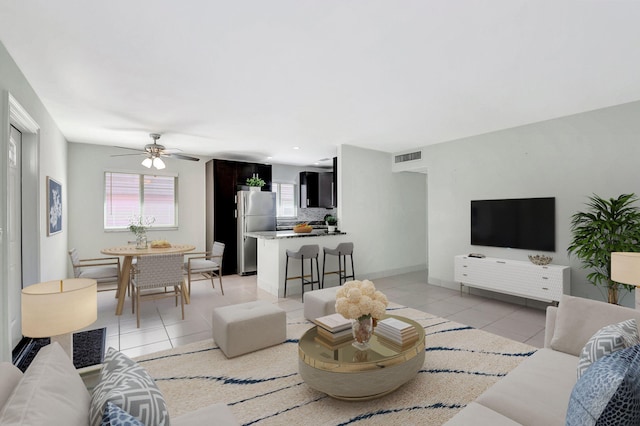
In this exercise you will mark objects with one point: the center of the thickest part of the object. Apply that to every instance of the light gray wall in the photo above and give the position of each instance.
(87, 164)
(569, 158)
(384, 212)
(52, 148)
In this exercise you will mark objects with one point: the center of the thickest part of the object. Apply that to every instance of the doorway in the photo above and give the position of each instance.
(19, 230)
(14, 234)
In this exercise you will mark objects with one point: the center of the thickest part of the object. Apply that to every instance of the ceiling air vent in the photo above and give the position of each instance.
(411, 156)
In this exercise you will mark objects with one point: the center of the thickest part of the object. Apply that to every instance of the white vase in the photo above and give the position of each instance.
(255, 188)
(331, 228)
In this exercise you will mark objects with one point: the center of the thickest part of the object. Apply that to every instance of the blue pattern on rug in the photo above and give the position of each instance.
(368, 416)
(216, 348)
(227, 380)
(443, 348)
(472, 373)
(271, 393)
(448, 330)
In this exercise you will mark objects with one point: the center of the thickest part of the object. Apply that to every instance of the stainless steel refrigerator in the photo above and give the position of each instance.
(256, 212)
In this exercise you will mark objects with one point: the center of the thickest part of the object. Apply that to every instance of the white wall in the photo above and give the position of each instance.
(87, 164)
(569, 158)
(52, 148)
(384, 212)
(283, 173)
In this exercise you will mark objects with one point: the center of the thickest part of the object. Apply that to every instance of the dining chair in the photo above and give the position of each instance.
(207, 264)
(105, 270)
(154, 272)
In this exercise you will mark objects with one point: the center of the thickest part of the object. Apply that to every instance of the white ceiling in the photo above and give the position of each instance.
(254, 78)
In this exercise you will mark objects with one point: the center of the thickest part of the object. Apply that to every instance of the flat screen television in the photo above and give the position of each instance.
(523, 223)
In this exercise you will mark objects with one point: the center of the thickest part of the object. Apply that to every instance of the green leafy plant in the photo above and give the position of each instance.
(331, 220)
(255, 181)
(606, 226)
(139, 225)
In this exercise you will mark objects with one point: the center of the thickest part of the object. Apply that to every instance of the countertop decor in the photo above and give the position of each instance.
(302, 228)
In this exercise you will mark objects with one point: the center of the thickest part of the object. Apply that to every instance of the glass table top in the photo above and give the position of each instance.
(319, 353)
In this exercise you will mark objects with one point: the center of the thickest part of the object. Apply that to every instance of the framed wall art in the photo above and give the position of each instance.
(54, 206)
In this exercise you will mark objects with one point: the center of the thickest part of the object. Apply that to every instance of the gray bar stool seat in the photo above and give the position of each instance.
(342, 251)
(307, 252)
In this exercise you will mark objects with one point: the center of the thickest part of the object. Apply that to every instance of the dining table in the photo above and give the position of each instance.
(131, 251)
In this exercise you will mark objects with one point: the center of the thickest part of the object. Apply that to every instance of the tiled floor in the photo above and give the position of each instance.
(162, 328)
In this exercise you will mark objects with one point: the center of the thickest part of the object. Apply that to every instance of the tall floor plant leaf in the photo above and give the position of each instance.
(606, 226)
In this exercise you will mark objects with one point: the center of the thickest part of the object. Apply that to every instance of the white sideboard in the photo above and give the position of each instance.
(515, 277)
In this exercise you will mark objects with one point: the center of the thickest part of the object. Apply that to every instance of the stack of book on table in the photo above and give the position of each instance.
(333, 330)
(396, 334)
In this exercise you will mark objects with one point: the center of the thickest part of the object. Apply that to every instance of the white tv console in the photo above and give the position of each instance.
(515, 277)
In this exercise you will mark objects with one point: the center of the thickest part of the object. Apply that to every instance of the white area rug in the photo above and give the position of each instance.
(264, 387)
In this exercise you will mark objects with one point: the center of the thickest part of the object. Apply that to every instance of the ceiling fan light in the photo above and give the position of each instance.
(158, 163)
(147, 162)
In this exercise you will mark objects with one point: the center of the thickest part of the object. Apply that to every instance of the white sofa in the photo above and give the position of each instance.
(537, 392)
(51, 391)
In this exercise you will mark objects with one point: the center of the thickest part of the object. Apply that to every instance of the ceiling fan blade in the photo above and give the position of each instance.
(182, 157)
(125, 155)
(124, 147)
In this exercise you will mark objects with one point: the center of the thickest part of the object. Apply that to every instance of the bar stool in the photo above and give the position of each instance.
(342, 251)
(309, 252)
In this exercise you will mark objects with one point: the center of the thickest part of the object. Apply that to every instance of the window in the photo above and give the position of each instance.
(128, 195)
(285, 199)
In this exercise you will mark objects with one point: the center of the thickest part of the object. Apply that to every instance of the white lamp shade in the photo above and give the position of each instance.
(625, 268)
(47, 311)
(158, 163)
(147, 162)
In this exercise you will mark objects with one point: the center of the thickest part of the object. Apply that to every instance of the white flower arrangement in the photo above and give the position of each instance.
(359, 300)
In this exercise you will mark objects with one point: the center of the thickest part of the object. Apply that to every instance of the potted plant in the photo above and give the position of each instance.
(331, 222)
(255, 183)
(606, 226)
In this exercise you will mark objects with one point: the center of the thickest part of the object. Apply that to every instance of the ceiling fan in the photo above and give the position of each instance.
(154, 151)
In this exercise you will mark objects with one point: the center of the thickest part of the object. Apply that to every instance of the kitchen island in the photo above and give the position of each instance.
(272, 247)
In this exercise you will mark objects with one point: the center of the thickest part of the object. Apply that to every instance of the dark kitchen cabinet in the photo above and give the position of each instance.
(316, 189)
(224, 178)
(335, 182)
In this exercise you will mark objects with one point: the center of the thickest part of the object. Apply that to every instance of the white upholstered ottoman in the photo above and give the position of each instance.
(318, 303)
(247, 327)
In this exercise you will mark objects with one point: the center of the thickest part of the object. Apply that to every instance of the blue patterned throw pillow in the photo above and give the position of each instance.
(126, 384)
(608, 393)
(116, 416)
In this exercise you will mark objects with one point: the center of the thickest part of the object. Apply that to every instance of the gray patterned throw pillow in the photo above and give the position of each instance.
(124, 383)
(606, 341)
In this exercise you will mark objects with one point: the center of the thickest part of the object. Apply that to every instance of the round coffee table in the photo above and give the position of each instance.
(344, 372)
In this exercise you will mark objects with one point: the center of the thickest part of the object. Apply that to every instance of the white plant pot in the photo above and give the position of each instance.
(331, 228)
(255, 188)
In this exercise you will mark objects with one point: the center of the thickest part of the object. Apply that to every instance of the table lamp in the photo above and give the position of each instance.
(57, 308)
(625, 269)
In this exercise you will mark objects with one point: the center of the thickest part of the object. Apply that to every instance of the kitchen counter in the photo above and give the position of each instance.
(273, 235)
(272, 247)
